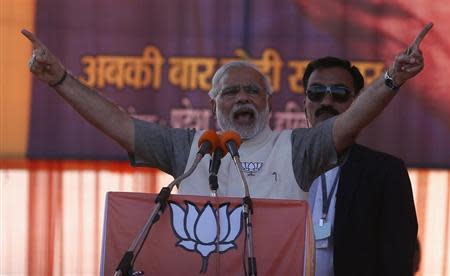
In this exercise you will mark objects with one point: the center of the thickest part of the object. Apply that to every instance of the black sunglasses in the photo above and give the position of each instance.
(317, 92)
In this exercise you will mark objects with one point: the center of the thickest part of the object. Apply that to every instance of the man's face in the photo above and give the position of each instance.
(242, 104)
(322, 108)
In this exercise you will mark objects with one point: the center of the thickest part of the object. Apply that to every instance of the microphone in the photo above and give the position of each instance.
(208, 142)
(230, 141)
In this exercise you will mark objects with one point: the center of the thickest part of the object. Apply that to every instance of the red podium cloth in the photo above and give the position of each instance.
(183, 242)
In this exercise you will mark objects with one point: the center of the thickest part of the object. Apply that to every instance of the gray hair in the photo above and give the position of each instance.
(236, 64)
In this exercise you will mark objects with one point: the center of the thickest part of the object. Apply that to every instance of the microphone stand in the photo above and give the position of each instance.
(213, 169)
(247, 213)
(125, 266)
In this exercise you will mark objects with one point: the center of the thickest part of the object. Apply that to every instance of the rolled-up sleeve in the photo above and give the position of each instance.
(313, 152)
(161, 147)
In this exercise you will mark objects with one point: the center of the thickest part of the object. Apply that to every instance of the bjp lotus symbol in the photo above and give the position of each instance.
(197, 229)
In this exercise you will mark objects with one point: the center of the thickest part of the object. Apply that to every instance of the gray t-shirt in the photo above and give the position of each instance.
(168, 149)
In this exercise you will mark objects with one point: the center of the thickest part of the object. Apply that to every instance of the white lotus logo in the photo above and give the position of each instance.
(251, 168)
(197, 229)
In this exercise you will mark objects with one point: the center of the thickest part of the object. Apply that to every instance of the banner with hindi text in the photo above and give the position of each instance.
(156, 60)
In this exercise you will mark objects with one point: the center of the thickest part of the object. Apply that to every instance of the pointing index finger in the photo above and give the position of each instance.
(421, 36)
(31, 37)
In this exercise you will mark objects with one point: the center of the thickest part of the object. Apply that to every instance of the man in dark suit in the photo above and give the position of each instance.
(363, 212)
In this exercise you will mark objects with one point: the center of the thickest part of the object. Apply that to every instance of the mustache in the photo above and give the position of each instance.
(241, 107)
(326, 109)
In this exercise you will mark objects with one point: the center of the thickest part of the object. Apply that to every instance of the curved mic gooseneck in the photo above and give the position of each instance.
(230, 142)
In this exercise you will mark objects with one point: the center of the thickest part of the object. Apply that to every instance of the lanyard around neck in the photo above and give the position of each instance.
(326, 199)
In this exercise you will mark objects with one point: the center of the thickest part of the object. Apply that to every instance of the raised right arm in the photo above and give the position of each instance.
(96, 109)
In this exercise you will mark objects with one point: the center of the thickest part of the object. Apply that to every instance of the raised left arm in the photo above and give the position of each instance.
(374, 98)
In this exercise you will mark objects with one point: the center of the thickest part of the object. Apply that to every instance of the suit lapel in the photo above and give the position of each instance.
(348, 183)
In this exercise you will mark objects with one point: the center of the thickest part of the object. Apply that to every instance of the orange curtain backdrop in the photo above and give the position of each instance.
(431, 189)
(52, 214)
(15, 79)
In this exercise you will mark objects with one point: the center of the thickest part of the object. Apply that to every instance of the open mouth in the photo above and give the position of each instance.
(244, 116)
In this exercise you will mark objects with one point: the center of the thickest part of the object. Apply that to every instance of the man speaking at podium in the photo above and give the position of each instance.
(278, 164)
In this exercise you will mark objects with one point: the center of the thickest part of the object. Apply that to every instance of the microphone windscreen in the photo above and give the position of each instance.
(211, 137)
(228, 136)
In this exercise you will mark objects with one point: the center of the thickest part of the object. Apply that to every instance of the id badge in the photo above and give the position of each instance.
(322, 230)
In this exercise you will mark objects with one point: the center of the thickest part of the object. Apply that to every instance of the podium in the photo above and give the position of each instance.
(205, 235)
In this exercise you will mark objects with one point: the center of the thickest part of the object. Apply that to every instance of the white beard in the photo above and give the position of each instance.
(245, 131)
